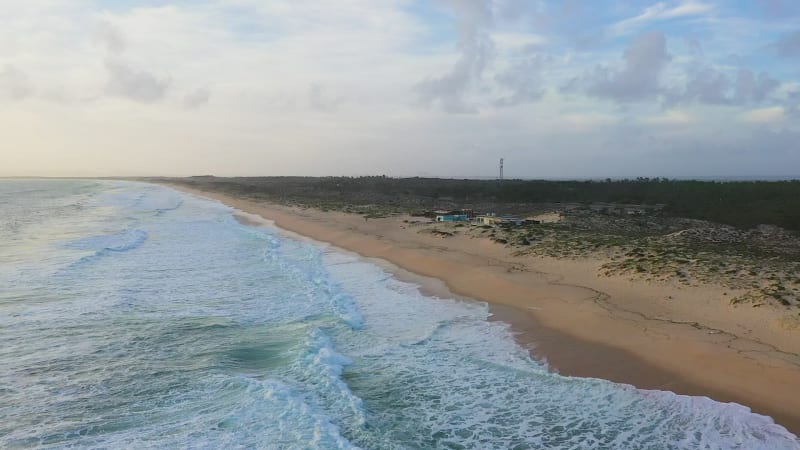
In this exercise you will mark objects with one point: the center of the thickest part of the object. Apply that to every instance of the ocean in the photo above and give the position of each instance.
(136, 316)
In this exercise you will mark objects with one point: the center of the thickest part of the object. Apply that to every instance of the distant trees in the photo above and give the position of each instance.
(741, 203)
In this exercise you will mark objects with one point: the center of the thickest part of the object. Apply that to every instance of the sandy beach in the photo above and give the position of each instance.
(689, 340)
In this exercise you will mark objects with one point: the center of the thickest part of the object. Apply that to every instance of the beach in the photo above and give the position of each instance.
(652, 335)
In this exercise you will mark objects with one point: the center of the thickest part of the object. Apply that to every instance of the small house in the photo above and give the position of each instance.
(511, 220)
(451, 218)
(487, 219)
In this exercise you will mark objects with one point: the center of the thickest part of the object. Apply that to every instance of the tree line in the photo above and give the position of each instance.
(742, 204)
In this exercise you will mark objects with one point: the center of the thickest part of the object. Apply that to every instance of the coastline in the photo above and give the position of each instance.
(650, 336)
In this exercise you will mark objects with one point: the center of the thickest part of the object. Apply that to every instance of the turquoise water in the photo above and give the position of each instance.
(134, 316)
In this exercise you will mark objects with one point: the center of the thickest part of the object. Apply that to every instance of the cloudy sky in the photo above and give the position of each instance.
(568, 88)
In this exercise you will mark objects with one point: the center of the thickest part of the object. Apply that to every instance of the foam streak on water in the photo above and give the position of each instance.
(132, 315)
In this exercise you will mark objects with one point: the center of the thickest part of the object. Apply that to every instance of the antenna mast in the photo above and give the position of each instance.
(501, 168)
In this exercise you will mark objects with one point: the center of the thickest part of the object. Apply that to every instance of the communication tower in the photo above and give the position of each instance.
(501, 168)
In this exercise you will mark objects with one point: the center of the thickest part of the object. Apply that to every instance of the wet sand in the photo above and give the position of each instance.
(653, 336)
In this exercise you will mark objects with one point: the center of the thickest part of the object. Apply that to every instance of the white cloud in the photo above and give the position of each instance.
(688, 8)
(14, 83)
(110, 37)
(588, 120)
(672, 117)
(196, 98)
(764, 115)
(660, 11)
(638, 79)
(134, 84)
(515, 41)
(321, 101)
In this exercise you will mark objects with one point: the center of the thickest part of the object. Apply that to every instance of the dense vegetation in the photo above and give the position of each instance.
(742, 204)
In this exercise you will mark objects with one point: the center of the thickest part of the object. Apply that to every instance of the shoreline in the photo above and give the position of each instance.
(578, 325)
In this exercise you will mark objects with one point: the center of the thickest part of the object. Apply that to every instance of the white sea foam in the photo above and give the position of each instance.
(119, 242)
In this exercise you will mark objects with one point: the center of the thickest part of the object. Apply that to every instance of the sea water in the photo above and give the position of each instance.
(135, 316)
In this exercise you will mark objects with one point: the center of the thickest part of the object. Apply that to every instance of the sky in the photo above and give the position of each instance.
(560, 89)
